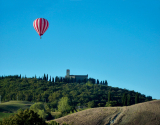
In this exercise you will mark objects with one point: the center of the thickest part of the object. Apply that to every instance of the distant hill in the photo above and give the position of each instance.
(80, 94)
(147, 113)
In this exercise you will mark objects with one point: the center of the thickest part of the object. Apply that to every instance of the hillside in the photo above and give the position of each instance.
(147, 113)
(80, 94)
(93, 116)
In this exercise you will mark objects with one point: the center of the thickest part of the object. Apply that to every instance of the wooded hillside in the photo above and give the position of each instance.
(80, 94)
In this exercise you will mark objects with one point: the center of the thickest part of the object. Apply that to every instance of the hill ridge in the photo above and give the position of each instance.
(138, 114)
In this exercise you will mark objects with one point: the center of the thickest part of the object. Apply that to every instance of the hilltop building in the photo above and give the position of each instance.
(76, 77)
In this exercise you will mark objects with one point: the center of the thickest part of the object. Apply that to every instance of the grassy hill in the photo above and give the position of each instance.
(80, 94)
(11, 107)
(147, 113)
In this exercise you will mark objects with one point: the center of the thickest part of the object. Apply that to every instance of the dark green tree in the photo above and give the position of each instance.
(57, 79)
(61, 79)
(129, 99)
(109, 96)
(47, 78)
(101, 82)
(26, 117)
(97, 81)
(106, 83)
(91, 104)
(44, 77)
(124, 99)
(53, 80)
(136, 98)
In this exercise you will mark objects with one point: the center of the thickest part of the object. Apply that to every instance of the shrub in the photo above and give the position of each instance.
(26, 117)
(111, 103)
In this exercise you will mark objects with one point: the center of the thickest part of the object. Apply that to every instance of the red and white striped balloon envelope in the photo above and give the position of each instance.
(40, 25)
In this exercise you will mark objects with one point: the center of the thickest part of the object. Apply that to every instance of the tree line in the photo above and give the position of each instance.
(84, 93)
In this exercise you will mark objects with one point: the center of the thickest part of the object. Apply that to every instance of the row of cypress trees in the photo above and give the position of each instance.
(126, 99)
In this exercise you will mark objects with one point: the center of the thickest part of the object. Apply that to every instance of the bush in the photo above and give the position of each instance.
(26, 117)
(40, 109)
(91, 104)
(63, 105)
(111, 103)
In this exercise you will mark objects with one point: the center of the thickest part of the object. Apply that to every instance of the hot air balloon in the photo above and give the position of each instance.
(40, 25)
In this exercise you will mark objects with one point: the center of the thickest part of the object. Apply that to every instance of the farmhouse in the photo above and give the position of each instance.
(76, 77)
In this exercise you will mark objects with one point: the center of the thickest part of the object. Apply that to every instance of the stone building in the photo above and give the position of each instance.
(76, 77)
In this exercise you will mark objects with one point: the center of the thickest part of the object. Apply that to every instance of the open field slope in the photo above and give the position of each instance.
(13, 106)
(147, 113)
(93, 116)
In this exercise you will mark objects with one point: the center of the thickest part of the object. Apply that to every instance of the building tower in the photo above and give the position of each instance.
(67, 73)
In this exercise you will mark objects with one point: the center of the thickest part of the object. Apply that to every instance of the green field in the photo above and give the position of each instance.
(11, 107)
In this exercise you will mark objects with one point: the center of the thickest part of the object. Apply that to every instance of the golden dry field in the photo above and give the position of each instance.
(147, 113)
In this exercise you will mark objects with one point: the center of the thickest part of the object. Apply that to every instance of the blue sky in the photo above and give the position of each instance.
(113, 40)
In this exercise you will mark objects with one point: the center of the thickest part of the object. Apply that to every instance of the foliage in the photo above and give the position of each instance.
(63, 105)
(5, 115)
(37, 106)
(128, 99)
(89, 83)
(41, 90)
(137, 98)
(124, 99)
(26, 117)
(111, 103)
(91, 104)
(42, 110)
(109, 96)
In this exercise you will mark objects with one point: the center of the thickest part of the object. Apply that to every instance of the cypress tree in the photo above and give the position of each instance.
(106, 83)
(136, 98)
(129, 100)
(61, 79)
(124, 99)
(57, 79)
(47, 78)
(97, 81)
(50, 79)
(109, 96)
(44, 77)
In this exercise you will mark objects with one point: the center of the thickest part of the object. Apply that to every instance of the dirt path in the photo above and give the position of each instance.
(112, 118)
